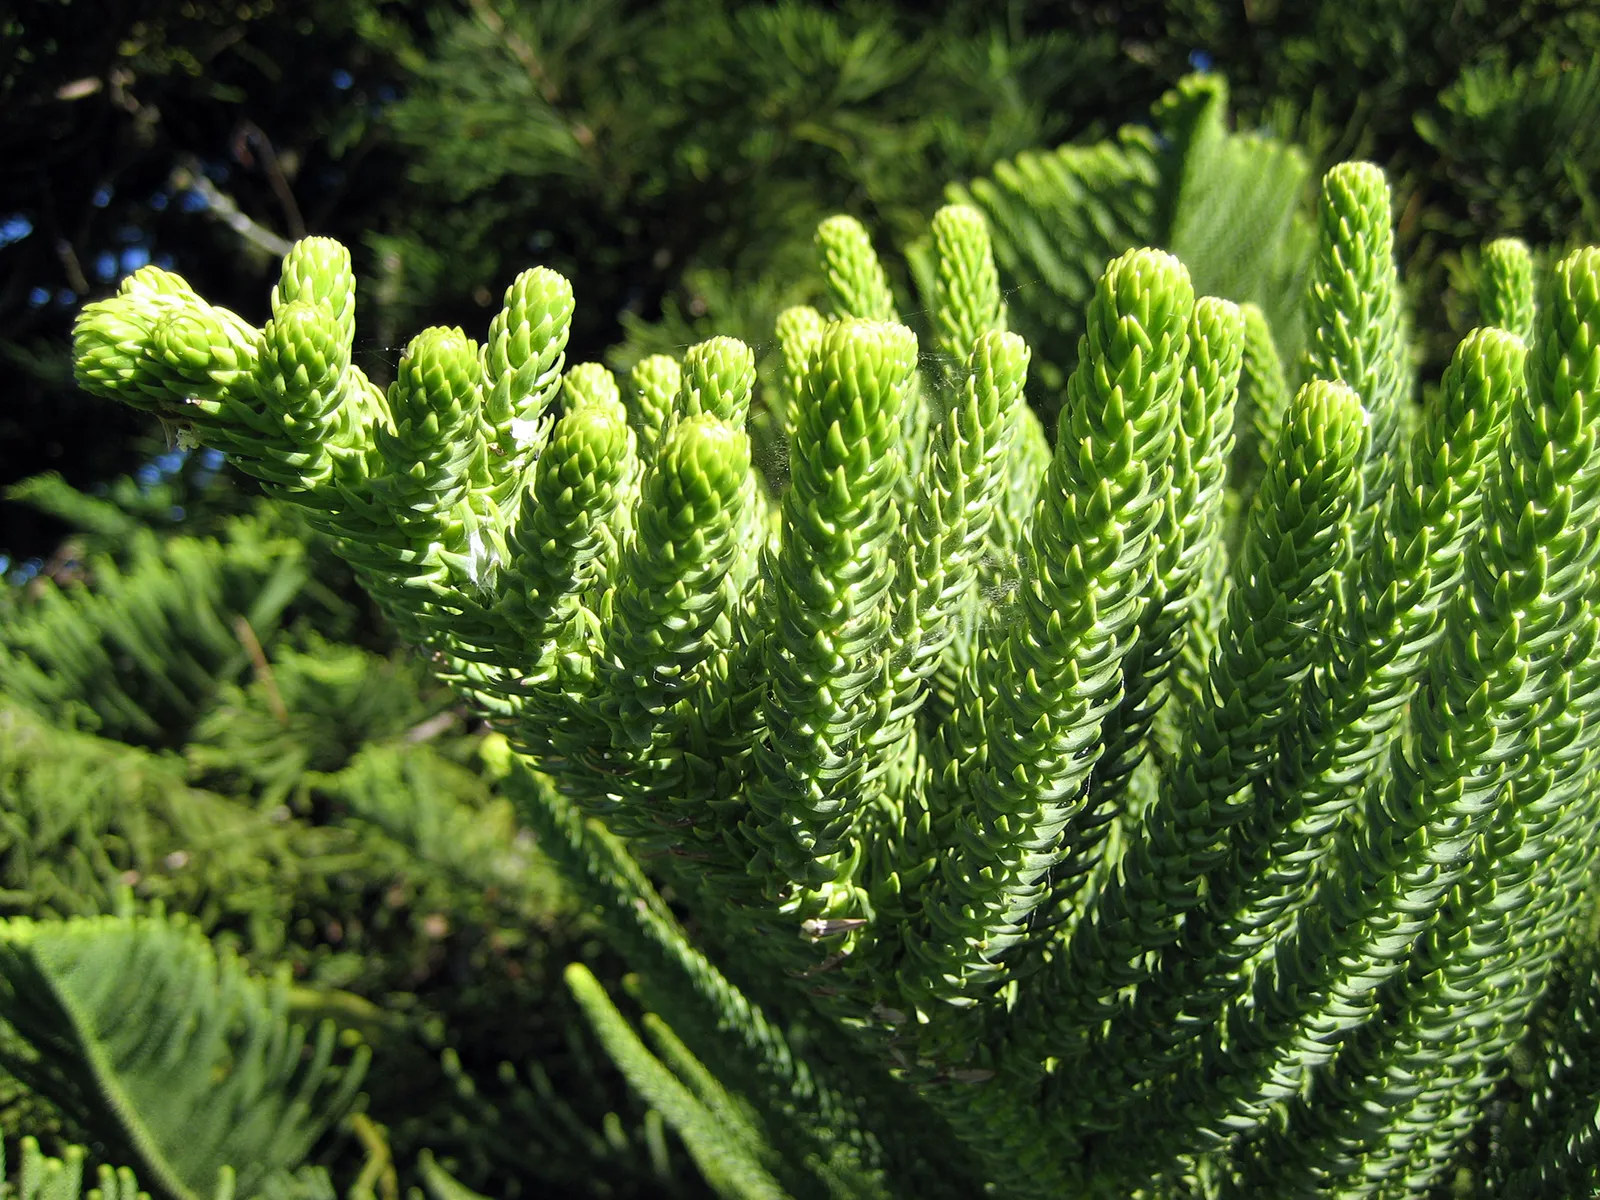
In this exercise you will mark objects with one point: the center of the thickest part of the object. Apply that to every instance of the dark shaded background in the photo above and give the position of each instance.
(671, 157)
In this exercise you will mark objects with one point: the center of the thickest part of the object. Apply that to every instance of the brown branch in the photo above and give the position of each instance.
(520, 49)
(76, 279)
(249, 132)
(187, 175)
(431, 728)
(258, 659)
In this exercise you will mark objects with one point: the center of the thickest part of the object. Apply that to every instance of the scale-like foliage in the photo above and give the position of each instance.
(85, 816)
(1552, 1144)
(806, 1112)
(1135, 854)
(40, 1176)
(722, 1149)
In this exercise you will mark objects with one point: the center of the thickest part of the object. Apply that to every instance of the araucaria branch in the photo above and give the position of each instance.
(1164, 821)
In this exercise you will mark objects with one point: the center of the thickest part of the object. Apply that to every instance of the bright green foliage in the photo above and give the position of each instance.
(1186, 538)
(1323, 969)
(653, 389)
(1263, 399)
(1350, 710)
(830, 596)
(1355, 334)
(1281, 586)
(668, 149)
(670, 659)
(856, 282)
(966, 293)
(966, 524)
(1497, 928)
(576, 486)
(522, 366)
(799, 332)
(718, 377)
(858, 288)
(1048, 814)
(729, 1156)
(1017, 758)
(1506, 291)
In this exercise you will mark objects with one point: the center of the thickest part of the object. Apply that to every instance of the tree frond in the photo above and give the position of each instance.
(163, 1047)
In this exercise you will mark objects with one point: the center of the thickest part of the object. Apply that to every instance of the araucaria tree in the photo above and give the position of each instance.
(1114, 814)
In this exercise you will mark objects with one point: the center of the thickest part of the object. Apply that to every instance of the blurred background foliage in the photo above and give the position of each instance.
(195, 703)
(197, 719)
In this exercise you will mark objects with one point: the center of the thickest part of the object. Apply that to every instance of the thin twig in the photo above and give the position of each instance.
(258, 658)
(187, 176)
(249, 132)
(76, 279)
(431, 728)
(520, 49)
(378, 1175)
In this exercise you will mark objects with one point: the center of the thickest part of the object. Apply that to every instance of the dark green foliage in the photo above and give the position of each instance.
(318, 805)
(85, 815)
(42, 1177)
(1549, 1146)
(132, 132)
(726, 1148)
(803, 1105)
(1482, 115)
(177, 1057)
(684, 152)
(139, 657)
(1518, 135)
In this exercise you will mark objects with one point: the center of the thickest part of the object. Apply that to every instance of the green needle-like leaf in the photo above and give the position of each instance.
(1356, 333)
(522, 361)
(1282, 587)
(168, 1051)
(856, 280)
(1506, 291)
(966, 296)
(717, 378)
(1029, 711)
(1351, 711)
(830, 590)
(1495, 939)
(652, 397)
(670, 639)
